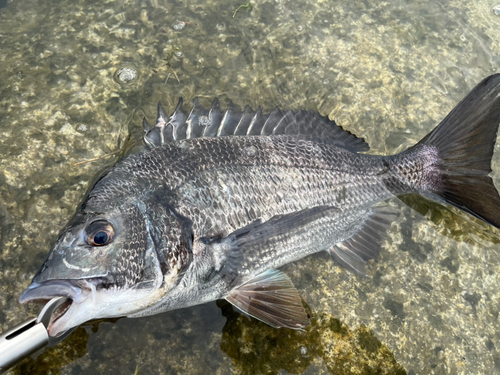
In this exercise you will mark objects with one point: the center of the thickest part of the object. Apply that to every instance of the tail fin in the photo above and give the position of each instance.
(465, 141)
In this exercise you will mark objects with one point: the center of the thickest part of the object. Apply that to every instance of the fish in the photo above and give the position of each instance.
(219, 200)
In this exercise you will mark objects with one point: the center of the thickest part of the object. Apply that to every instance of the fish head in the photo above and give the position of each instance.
(104, 261)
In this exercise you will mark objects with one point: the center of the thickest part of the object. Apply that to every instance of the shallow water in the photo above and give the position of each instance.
(387, 71)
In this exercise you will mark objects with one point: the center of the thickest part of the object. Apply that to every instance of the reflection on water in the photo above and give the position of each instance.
(387, 71)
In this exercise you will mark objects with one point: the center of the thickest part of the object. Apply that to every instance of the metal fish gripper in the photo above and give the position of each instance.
(28, 337)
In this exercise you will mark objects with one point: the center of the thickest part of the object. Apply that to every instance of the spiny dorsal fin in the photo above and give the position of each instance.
(197, 120)
(201, 122)
(271, 298)
(365, 243)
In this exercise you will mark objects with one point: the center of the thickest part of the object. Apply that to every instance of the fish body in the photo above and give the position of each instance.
(221, 200)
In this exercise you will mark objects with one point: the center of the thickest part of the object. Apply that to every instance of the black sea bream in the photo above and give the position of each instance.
(222, 199)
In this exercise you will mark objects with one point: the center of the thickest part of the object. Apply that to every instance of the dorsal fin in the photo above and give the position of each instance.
(201, 122)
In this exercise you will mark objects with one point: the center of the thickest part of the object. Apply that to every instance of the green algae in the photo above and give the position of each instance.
(257, 348)
(246, 6)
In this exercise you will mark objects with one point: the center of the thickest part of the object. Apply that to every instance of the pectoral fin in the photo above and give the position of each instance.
(271, 298)
(264, 239)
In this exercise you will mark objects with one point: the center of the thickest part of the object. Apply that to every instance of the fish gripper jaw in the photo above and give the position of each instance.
(29, 336)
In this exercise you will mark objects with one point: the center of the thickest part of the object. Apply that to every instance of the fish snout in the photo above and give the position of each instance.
(41, 292)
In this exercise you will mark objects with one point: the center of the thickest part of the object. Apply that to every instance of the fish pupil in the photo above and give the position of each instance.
(100, 238)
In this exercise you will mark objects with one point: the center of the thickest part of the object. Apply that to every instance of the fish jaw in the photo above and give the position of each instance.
(87, 302)
(63, 319)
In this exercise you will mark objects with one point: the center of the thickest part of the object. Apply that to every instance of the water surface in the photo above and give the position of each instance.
(386, 71)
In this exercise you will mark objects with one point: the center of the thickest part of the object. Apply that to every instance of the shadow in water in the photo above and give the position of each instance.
(257, 348)
(452, 223)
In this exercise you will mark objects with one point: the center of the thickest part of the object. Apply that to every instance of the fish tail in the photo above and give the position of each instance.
(463, 145)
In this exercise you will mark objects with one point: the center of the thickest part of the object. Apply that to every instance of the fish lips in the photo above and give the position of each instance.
(44, 291)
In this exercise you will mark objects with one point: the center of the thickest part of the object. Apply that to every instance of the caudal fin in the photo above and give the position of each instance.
(465, 141)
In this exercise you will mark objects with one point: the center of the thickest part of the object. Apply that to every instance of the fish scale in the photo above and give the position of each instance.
(313, 182)
(315, 171)
(201, 163)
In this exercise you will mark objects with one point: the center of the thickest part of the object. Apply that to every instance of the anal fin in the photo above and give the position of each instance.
(366, 242)
(272, 298)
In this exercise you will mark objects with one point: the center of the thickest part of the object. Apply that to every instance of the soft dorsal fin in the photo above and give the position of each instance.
(271, 298)
(365, 243)
(200, 122)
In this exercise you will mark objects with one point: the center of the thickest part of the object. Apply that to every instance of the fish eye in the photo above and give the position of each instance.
(100, 233)
(100, 238)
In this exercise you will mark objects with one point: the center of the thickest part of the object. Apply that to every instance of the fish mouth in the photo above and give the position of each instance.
(75, 291)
